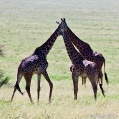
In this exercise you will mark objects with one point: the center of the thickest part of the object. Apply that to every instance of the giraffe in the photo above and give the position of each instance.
(80, 66)
(86, 51)
(36, 64)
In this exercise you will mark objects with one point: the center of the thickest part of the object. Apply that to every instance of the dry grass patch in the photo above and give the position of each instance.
(62, 106)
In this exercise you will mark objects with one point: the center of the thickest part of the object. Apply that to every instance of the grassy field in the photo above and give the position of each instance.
(26, 24)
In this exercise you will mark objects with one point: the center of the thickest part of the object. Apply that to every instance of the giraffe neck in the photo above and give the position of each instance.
(74, 55)
(76, 41)
(82, 46)
(46, 47)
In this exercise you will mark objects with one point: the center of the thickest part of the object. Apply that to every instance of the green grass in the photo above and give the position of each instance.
(26, 24)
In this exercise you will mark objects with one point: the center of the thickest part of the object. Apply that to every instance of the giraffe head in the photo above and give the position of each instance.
(62, 26)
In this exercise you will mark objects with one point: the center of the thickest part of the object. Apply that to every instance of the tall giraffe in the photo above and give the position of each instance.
(86, 50)
(80, 66)
(36, 63)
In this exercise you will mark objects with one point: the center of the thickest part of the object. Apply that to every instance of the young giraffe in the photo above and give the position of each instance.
(86, 51)
(80, 66)
(36, 63)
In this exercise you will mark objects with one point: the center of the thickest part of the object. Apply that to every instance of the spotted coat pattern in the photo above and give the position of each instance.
(86, 51)
(80, 66)
(36, 63)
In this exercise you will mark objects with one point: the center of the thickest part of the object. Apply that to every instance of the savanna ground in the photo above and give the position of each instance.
(26, 24)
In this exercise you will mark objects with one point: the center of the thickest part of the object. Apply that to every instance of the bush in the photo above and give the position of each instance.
(1, 52)
(3, 80)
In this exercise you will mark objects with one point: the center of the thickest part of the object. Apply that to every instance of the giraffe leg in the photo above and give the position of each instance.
(84, 80)
(101, 82)
(28, 77)
(95, 91)
(94, 86)
(102, 89)
(13, 93)
(75, 83)
(45, 74)
(101, 77)
(38, 88)
(93, 81)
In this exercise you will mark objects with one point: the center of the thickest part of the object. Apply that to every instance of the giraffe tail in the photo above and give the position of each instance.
(18, 88)
(106, 78)
(102, 89)
(19, 76)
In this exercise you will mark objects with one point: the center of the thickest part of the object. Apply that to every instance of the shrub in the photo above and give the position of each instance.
(1, 52)
(3, 80)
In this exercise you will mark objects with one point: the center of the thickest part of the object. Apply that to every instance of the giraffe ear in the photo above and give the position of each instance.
(57, 22)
